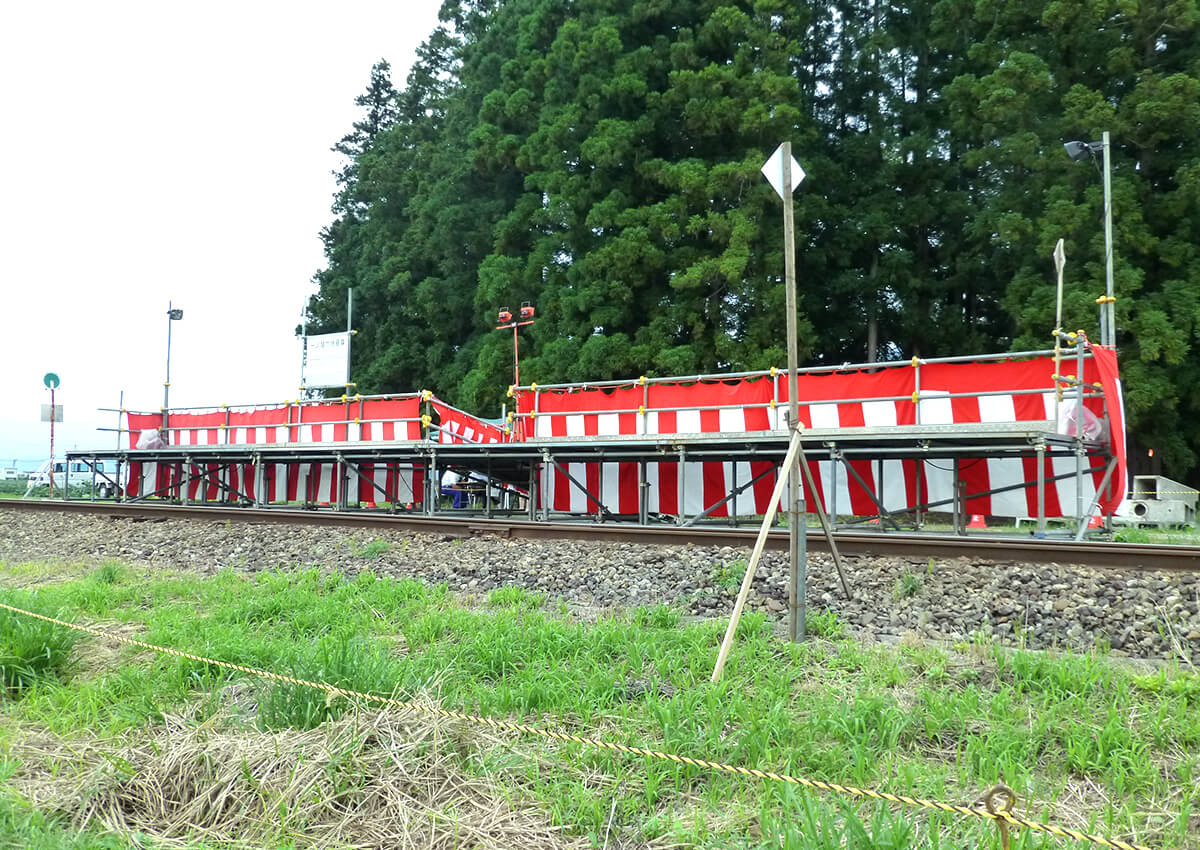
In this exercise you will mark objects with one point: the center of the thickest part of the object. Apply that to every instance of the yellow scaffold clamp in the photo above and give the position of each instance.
(343, 398)
(358, 397)
(642, 380)
(357, 421)
(426, 421)
(426, 395)
(512, 390)
(774, 372)
(641, 410)
(774, 404)
(916, 361)
(1106, 299)
(916, 397)
(510, 418)
(533, 387)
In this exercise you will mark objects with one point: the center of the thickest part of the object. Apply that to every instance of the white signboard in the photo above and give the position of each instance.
(57, 413)
(773, 171)
(327, 360)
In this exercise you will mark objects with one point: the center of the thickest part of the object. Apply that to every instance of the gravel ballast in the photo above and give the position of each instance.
(1141, 614)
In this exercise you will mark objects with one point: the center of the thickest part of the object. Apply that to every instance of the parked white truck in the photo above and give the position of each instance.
(80, 474)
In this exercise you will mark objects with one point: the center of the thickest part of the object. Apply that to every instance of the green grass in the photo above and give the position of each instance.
(370, 549)
(24, 827)
(914, 720)
(31, 651)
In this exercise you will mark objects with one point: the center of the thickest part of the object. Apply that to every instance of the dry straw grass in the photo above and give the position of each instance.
(373, 779)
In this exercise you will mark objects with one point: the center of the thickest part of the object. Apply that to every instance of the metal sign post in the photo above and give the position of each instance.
(174, 314)
(51, 381)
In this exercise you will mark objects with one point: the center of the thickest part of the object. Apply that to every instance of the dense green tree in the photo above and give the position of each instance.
(600, 159)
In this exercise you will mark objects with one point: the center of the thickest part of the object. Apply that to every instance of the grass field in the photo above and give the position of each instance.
(94, 733)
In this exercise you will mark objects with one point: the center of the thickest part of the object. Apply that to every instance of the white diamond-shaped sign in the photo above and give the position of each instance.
(773, 171)
(1060, 257)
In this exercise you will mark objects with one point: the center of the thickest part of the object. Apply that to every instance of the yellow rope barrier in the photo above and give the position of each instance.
(1001, 816)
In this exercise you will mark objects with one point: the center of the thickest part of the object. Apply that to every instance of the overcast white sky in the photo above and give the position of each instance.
(156, 152)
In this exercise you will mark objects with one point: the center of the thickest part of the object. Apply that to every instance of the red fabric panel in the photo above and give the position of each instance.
(1105, 364)
(668, 488)
(713, 484)
(627, 485)
(974, 473)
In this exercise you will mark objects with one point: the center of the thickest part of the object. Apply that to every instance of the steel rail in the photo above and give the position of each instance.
(1129, 556)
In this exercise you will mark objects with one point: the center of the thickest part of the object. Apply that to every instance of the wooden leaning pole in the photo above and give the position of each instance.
(759, 544)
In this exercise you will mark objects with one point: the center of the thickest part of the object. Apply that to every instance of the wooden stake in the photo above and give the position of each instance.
(759, 545)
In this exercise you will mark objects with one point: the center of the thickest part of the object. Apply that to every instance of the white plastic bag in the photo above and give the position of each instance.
(1071, 423)
(151, 438)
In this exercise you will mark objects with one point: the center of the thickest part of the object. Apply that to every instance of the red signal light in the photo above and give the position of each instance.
(526, 311)
(504, 317)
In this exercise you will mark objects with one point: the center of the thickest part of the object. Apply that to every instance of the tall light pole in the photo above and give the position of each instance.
(1079, 151)
(173, 315)
(507, 320)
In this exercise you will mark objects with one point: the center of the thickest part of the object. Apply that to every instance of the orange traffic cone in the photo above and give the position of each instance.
(1095, 522)
(977, 521)
(369, 505)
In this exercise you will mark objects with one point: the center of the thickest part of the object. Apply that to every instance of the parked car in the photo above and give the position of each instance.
(81, 474)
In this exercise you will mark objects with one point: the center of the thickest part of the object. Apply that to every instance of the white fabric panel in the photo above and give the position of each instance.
(933, 408)
(326, 482)
(738, 475)
(608, 424)
(834, 480)
(579, 502)
(823, 415)
(352, 486)
(468, 433)
(239, 436)
(777, 417)
(306, 433)
(895, 492)
(652, 423)
(938, 483)
(732, 420)
(260, 435)
(302, 476)
(149, 478)
(997, 408)
(183, 438)
(1066, 486)
(652, 503)
(541, 427)
(610, 486)
(575, 425)
(1004, 472)
(877, 413)
(693, 485)
(687, 421)
(404, 486)
(354, 431)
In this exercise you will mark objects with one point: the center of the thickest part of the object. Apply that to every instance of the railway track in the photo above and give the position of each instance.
(1135, 556)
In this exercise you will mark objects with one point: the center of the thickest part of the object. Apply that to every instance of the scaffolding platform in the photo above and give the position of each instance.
(405, 475)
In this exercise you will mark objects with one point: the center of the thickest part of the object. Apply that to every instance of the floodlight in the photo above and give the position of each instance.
(1079, 151)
